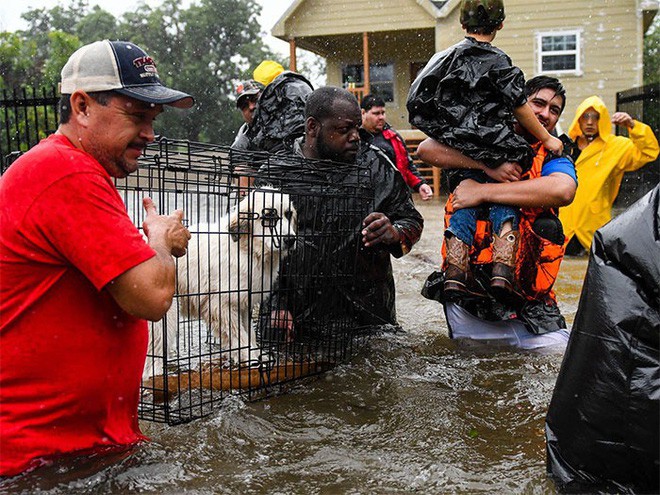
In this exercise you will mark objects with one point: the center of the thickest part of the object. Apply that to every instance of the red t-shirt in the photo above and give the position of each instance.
(70, 358)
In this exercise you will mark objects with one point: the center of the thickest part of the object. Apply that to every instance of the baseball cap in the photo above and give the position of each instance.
(247, 88)
(119, 66)
(266, 71)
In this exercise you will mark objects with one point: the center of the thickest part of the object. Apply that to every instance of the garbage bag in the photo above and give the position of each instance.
(603, 420)
(464, 98)
(280, 114)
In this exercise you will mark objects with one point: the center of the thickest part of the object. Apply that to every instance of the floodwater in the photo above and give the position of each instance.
(412, 413)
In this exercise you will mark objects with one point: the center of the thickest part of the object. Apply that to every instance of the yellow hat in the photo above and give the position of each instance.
(266, 71)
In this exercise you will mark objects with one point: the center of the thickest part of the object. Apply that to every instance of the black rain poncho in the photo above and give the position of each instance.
(602, 427)
(331, 274)
(280, 114)
(465, 97)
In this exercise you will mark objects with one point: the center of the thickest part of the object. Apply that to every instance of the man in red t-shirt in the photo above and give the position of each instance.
(77, 279)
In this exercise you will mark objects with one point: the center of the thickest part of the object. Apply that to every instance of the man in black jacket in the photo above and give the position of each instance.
(350, 235)
(375, 130)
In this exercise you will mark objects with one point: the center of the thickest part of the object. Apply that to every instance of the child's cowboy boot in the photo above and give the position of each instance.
(458, 276)
(505, 249)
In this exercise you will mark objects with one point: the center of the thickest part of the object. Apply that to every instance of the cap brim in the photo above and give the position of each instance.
(249, 92)
(159, 94)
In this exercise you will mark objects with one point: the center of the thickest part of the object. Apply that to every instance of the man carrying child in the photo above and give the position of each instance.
(466, 98)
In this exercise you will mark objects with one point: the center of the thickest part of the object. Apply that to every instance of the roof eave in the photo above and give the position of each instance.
(439, 13)
(429, 7)
(279, 29)
(448, 8)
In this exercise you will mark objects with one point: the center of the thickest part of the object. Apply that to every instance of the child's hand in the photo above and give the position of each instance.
(554, 145)
(506, 172)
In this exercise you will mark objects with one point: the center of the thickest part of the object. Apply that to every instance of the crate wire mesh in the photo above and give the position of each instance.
(268, 248)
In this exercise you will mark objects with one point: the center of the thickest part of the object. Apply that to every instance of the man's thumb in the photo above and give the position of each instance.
(149, 206)
(178, 214)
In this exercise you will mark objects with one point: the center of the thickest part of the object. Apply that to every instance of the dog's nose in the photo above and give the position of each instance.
(289, 241)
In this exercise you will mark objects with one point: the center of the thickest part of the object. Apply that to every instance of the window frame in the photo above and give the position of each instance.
(577, 52)
(371, 65)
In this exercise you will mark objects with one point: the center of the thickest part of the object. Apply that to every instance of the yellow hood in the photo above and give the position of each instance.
(604, 122)
(266, 71)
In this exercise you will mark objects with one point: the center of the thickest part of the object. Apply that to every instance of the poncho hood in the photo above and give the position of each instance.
(604, 122)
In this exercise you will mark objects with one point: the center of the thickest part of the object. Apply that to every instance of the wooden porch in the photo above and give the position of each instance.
(432, 174)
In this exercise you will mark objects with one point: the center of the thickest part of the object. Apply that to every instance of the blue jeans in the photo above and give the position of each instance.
(463, 223)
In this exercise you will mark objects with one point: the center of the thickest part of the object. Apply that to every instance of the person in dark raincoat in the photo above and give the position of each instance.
(350, 237)
(466, 98)
(280, 114)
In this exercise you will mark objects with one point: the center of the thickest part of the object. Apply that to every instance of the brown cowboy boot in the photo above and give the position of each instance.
(458, 276)
(505, 249)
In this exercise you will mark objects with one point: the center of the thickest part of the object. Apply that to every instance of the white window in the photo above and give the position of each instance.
(558, 52)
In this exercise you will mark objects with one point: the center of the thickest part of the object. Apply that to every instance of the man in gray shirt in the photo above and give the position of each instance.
(247, 94)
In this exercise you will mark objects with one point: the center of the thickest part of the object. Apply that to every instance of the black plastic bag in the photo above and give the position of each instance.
(602, 426)
(464, 98)
(280, 114)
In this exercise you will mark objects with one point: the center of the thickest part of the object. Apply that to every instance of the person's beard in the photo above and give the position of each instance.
(326, 153)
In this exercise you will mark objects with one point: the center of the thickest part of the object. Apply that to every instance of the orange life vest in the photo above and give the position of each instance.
(538, 259)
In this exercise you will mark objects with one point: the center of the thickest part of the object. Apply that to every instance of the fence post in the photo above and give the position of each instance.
(29, 114)
(642, 104)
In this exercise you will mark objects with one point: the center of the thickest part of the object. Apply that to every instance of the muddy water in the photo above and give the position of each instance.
(413, 413)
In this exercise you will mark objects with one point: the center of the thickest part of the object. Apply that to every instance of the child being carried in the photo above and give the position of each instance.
(466, 97)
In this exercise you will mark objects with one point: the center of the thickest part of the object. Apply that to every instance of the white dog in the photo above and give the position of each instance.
(230, 267)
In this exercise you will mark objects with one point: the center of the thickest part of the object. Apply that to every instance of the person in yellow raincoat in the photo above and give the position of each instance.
(602, 158)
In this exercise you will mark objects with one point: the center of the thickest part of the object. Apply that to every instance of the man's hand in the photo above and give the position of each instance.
(467, 195)
(623, 119)
(165, 230)
(378, 229)
(506, 172)
(425, 192)
(283, 319)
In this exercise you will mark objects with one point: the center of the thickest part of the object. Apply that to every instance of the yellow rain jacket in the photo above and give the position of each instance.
(600, 168)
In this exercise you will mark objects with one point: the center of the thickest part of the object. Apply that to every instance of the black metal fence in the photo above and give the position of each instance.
(28, 115)
(642, 104)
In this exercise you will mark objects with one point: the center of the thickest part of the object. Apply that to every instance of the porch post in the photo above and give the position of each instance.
(292, 54)
(365, 62)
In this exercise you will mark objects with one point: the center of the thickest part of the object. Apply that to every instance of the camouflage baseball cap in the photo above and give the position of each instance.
(482, 13)
(247, 88)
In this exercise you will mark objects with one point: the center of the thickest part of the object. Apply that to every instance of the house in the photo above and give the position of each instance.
(593, 46)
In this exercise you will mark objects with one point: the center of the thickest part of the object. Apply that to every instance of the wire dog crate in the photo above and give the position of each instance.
(263, 294)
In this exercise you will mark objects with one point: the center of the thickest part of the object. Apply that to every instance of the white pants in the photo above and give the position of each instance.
(513, 333)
